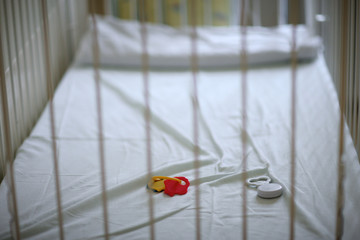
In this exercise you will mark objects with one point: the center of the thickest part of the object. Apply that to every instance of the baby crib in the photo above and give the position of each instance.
(216, 91)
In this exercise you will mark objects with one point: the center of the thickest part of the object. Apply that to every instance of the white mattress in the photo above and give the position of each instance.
(221, 157)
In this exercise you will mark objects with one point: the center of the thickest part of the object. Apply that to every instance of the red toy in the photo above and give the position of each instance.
(169, 185)
(174, 187)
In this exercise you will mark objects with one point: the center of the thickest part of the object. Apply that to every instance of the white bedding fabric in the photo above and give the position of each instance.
(120, 45)
(220, 124)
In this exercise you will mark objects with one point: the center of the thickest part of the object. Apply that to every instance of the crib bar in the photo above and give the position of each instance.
(256, 13)
(133, 9)
(63, 54)
(20, 70)
(96, 65)
(310, 15)
(50, 91)
(356, 131)
(243, 84)
(350, 70)
(147, 110)
(356, 78)
(19, 83)
(159, 15)
(196, 150)
(282, 11)
(35, 51)
(30, 62)
(25, 69)
(39, 44)
(234, 12)
(342, 97)
(9, 150)
(183, 13)
(68, 17)
(207, 5)
(14, 104)
(294, 20)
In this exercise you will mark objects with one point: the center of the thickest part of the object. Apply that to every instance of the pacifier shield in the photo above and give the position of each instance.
(173, 187)
(269, 190)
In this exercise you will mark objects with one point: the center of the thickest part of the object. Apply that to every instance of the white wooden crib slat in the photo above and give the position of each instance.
(159, 16)
(50, 93)
(243, 127)
(282, 6)
(256, 12)
(21, 67)
(195, 122)
(26, 69)
(183, 13)
(147, 111)
(357, 80)
(9, 153)
(207, 12)
(14, 105)
(96, 65)
(342, 99)
(294, 20)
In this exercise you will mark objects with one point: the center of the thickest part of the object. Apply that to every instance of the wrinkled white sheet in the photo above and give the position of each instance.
(120, 45)
(220, 124)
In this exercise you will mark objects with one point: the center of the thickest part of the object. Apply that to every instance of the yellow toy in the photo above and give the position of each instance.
(157, 184)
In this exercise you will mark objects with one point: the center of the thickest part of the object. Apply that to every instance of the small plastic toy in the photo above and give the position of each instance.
(265, 189)
(170, 186)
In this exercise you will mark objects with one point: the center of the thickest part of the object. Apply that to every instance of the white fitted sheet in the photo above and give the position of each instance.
(221, 157)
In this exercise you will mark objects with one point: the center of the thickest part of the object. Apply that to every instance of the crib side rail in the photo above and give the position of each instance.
(24, 62)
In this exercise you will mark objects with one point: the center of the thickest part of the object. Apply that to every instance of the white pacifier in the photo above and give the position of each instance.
(265, 189)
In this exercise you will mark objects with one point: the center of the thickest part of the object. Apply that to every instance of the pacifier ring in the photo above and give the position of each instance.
(258, 181)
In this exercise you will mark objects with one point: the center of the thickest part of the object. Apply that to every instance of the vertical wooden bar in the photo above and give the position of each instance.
(183, 13)
(124, 9)
(355, 109)
(50, 92)
(96, 65)
(134, 9)
(282, 11)
(199, 11)
(173, 13)
(256, 13)
(222, 12)
(243, 84)
(21, 91)
(14, 126)
(31, 76)
(28, 85)
(357, 79)
(294, 9)
(194, 69)
(40, 60)
(147, 110)
(310, 15)
(34, 55)
(159, 11)
(69, 39)
(207, 12)
(9, 153)
(235, 14)
(343, 84)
